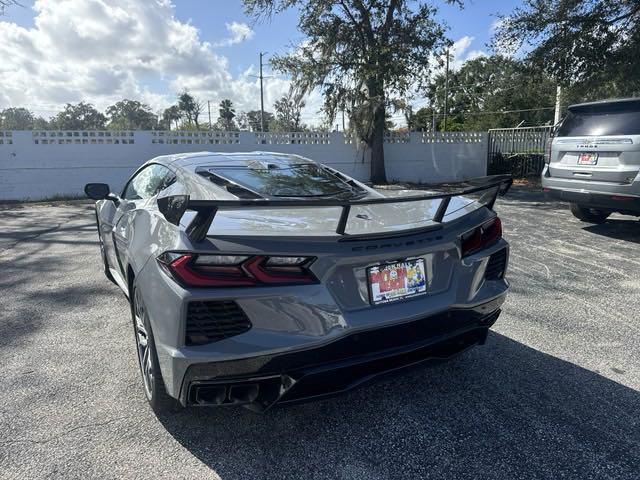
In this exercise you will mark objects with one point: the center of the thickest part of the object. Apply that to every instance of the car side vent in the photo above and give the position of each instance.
(211, 321)
(497, 265)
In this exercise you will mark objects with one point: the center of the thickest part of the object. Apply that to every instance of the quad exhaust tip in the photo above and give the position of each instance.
(258, 393)
(211, 395)
(227, 395)
(243, 393)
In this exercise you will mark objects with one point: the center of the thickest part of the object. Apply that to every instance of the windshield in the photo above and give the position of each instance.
(612, 119)
(288, 181)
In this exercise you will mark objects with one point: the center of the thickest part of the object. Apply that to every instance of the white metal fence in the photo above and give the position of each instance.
(42, 164)
(519, 151)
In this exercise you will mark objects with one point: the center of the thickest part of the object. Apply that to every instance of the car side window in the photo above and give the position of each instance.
(148, 182)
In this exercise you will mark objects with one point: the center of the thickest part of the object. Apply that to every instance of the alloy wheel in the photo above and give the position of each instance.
(142, 341)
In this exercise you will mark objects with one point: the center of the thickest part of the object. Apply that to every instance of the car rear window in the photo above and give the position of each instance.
(611, 119)
(288, 181)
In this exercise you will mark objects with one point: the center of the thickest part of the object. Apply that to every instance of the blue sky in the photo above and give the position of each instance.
(161, 47)
(474, 20)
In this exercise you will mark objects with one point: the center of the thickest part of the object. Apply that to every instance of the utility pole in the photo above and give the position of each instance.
(261, 96)
(209, 109)
(446, 92)
(556, 116)
(343, 129)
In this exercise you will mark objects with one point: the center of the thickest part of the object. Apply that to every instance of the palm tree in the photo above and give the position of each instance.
(227, 114)
(172, 114)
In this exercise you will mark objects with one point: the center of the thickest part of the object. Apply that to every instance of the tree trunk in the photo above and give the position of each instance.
(378, 172)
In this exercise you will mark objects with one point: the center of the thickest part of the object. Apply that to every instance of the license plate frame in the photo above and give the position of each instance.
(588, 158)
(410, 280)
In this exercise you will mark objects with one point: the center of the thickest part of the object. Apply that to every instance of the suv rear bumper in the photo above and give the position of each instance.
(338, 366)
(616, 197)
(628, 204)
(631, 188)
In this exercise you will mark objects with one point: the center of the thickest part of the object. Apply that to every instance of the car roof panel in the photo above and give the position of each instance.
(190, 161)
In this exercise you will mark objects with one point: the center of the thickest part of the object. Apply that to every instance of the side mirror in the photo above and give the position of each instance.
(97, 191)
(100, 191)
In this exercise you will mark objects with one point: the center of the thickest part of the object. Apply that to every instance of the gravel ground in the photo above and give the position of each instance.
(553, 394)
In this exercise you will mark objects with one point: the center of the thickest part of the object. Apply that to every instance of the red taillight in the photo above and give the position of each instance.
(194, 270)
(481, 237)
(547, 150)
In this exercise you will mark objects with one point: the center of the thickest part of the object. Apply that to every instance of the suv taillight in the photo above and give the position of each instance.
(547, 150)
(195, 270)
(481, 237)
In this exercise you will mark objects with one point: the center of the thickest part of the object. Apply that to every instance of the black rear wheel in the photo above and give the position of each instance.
(588, 214)
(152, 381)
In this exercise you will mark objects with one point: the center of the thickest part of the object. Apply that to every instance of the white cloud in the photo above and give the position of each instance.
(473, 54)
(101, 51)
(239, 32)
(460, 52)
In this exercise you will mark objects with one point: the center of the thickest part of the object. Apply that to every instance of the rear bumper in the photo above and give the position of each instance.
(336, 367)
(618, 203)
(610, 195)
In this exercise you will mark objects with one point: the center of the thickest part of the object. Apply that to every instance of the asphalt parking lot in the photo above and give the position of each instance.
(555, 393)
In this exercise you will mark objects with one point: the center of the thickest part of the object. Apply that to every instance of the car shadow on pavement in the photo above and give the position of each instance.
(500, 411)
(526, 197)
(627, 230)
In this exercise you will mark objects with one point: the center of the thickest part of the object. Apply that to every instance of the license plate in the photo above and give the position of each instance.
(587, 159)
(395, 281)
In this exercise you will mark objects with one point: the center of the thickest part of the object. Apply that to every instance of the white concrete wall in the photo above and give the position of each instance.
(38, 165)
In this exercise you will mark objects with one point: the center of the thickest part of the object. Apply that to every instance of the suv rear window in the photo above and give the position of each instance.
(288, 181)
(609, 119)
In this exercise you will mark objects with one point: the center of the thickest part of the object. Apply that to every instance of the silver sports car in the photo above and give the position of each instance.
(261, 278)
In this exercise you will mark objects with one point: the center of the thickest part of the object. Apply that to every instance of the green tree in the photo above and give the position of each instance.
(421, 120)
(269, 121)
(170, 116)
(360, 53)
(288, 113)
(16, 119)
(242, 119)
(592, 46)
(131, 115)
(485, 86)
(81, 116)
(251, 120)
(40, 123)
(190, 108)
(227, 114)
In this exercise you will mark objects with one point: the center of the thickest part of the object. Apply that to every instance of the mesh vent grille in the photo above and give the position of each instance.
(497, 265)
(214, 320)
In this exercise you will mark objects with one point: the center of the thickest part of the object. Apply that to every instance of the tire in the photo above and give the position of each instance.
(103, 255)
(588, 214)
(152, 383)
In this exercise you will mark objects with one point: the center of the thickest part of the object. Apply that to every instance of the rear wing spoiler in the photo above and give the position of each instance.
(174, 207)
